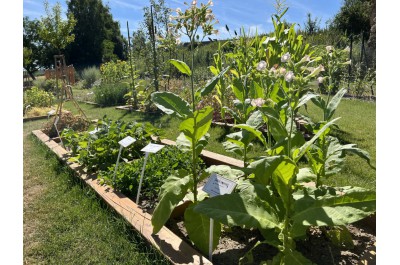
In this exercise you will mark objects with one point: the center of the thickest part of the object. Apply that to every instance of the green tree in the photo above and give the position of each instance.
(36, 50)
(311, 26)
(54, 30)
(97, 36)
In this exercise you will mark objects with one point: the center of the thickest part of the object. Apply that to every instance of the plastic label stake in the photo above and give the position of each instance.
(55, 126)
(216, 185)
(91, 133)
(150, 148)
(127, 141)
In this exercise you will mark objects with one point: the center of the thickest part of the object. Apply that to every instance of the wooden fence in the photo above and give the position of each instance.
(69, 72)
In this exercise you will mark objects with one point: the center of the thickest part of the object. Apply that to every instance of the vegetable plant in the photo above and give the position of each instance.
(193, 137)
(100, 150)
(270, 194)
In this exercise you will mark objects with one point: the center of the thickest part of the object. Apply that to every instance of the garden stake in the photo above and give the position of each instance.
(116, 165)
(141, 178)
(210, 250)
(58, 133)
(150, 148)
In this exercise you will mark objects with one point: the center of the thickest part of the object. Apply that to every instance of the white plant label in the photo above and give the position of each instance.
(56, 121)
(127, 141)
(94, 131)
(218, 185)
(152, 148)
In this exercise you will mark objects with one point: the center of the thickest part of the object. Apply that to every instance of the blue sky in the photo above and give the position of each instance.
(250, 14)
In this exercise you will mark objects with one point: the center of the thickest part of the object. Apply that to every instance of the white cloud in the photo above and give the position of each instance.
(129, 5)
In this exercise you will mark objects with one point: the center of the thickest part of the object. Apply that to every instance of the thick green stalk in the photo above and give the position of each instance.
(194, 156)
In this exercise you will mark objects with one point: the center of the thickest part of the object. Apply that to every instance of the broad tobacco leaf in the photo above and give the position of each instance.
(171, 104)
(172, 192)
(239, 210)
(203, 118)
(181, 66)
(350, 205)
(198, 229)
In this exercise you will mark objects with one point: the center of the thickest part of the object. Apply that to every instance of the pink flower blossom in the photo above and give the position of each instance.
(289, 76)
(285, 57)
(262, 65)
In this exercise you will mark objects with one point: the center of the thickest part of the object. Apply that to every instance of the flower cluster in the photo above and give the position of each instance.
(189, 21)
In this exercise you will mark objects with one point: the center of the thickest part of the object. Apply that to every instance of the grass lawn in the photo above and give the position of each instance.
(65, 223)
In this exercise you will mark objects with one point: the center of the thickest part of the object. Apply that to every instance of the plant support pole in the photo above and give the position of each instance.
(116, 165)
(141, 177)
(210, 249)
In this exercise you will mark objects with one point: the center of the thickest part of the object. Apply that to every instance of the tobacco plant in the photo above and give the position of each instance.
(270, 195)
(194, 127)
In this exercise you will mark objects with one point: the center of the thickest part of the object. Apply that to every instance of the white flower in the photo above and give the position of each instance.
(215, 31)
(329, 48)
(273, 70)
(289, 76)
(268, 40)
(178, 10)
(194, 2)
(282, 71)
(177, 41)
(262, 65)
(258, 102)
(247, 101)
(285, 57)
(306, 58)
(210, 2)
(286, 31)
(320, 80)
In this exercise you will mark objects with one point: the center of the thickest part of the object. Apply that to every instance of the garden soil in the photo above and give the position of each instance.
(236, 242)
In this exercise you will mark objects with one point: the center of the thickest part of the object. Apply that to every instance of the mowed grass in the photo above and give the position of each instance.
(357, 125)
(64, 221)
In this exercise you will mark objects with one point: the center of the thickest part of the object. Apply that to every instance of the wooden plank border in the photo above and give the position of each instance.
(170, 245)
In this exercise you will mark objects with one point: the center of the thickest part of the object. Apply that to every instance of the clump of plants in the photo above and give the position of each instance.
(111, 94)
(66, 121)
(271, 195)
(89, 76)
(36, 97)
(158, 167)
(100, 150)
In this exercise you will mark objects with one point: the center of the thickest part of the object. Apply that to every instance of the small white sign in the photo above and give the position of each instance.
(56, 121)
(94, 131)
(218, 185)
(152, 148)
(127, 141)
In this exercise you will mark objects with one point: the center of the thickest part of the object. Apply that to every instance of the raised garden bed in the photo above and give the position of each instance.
(172, 240)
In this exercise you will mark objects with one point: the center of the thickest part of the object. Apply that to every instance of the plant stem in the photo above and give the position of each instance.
(194, 156)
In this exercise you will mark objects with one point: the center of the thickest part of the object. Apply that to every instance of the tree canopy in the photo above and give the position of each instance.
(97, 36)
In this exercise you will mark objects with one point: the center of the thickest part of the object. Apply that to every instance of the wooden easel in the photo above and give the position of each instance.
(60, 70)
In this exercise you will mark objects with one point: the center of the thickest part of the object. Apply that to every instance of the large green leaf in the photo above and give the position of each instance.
(172, 192)
(255, 119)
(181, 66)
(211, 84)
(304, 99)
(277, 128)
(282, 178)
(238, 90)
(333, 104)
(302, 150)
(170, 103)
(253, 131)
(329, 210)
(203, 118)
(198, 228)
(264, 167)
(239, 210)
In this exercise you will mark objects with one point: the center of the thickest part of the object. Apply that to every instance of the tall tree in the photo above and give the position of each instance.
(54, 30)
(311, 26)
(97, 36)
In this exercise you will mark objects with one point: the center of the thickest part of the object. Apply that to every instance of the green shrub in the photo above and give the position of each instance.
(89, 76)
(48, 85)
(111, 94)
(36, 97)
